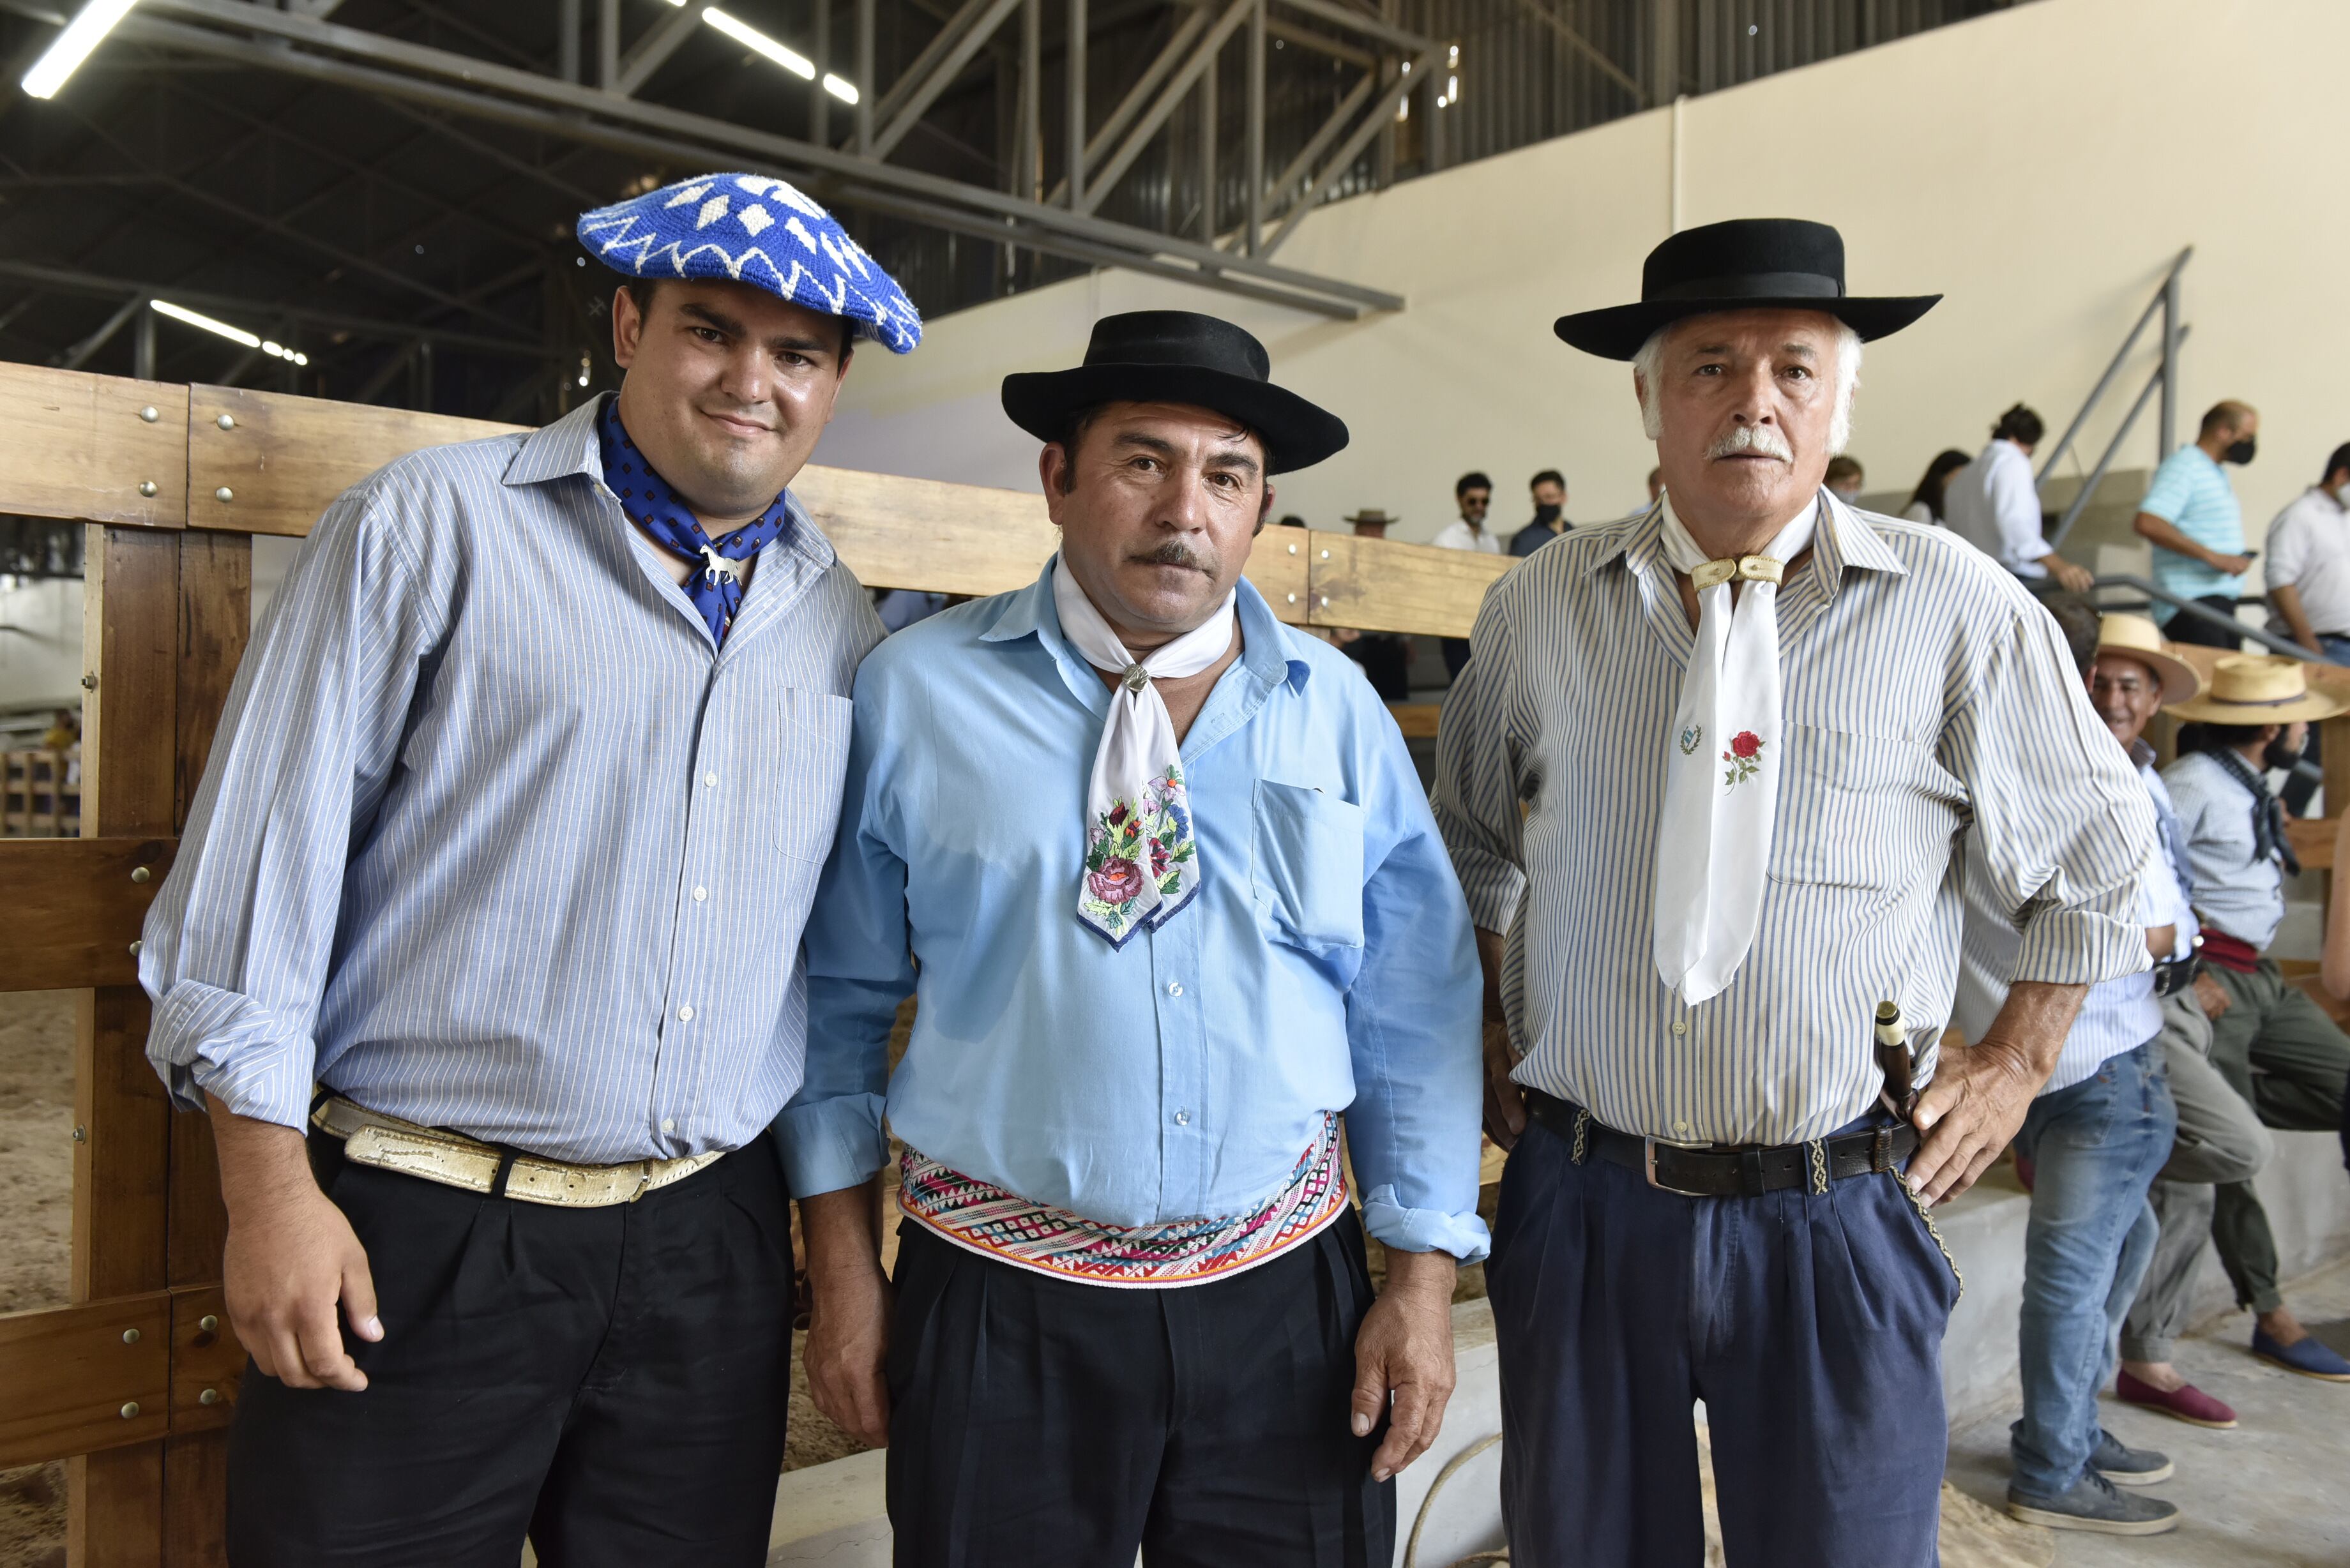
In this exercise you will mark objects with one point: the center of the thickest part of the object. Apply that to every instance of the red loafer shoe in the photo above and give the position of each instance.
(2185, 1403)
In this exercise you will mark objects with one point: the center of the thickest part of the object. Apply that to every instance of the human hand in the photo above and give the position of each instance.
(1505, 1103)
(291, 1257)
(847, 1350)
(2209, 993)
(1970, 1111)
(1404, 1349)
(2072, 579)
(2233, 566)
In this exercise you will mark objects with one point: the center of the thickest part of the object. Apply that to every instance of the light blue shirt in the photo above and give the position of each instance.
(1326, 964)
(2191, 494)
(493, 838)
(2117, 1015)
(2238, 890)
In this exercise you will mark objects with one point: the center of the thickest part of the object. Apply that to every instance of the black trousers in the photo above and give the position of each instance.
(611, 1381)
(1040, 1423)
(2184, 627)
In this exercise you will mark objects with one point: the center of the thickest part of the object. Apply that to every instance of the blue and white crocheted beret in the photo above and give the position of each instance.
(758, 231)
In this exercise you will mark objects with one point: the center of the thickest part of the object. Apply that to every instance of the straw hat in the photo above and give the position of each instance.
(2255, 690)
(2135, 637)
(1372, 515)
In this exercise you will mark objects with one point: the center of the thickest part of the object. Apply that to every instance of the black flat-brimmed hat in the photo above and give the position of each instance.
(1177, 356)
(1746, 264)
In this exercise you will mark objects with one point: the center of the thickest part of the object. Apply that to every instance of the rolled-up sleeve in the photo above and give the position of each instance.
(1412, 1026)
(1476, 795)
(859, 965)
(2063, 829)
(238, 943)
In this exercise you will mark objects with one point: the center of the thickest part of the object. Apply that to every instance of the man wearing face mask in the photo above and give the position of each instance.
(2271, 1042)
(2308, 564)
(516, 812)
(1844, 479)
(2192, 518)
(1549, 489)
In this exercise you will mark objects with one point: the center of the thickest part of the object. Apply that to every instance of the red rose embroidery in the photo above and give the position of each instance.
(1745, 743)
(1118, 814)
(1118, 880)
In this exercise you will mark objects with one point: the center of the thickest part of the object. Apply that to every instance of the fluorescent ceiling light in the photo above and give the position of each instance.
(743, 33)
(845, 91)
(193, 318)
(82, 35)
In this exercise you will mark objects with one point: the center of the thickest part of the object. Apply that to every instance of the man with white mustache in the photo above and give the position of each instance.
(1708, 1016)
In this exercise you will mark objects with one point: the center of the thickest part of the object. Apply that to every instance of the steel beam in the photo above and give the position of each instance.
(1028, 176)
(75, 357)
(819, 99)
(1368, 26)
(556, 108)
(1073, 66)
(1177, 91)
(652, 51)
(567, 40)
(867, 88)
(1398, 89)
(1209, 111)
(607, 44)
(926, 92)
(1252, 160)
(1583, 46)
(1284, 187)
(941, 44)
(1177, 50)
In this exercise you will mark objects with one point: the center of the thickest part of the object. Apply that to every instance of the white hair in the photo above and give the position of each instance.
(1648, 365)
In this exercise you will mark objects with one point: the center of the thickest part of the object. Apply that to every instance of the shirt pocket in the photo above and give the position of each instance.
(1305, 874)
(807, 752)
(1857, 811)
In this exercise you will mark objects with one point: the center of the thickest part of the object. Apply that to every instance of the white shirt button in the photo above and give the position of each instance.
(701, 895)
(1682, 1128)
(669, 1124)
(710, 781)
(1174, 987)
(1182, 1118)
(685, 1014)
(1680, 1026)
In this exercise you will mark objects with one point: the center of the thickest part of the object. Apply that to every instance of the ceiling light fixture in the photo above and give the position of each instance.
(84, 33)
(791, 59)
(195, 318)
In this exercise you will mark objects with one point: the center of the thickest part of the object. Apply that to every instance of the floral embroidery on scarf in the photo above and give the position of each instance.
(1136, 847)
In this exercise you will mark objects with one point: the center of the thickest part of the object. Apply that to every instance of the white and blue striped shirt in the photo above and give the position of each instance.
(1927, 698)
(2117, 1015)
(493, 837)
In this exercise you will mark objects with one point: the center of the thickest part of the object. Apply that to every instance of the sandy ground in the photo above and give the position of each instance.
(37, 1042)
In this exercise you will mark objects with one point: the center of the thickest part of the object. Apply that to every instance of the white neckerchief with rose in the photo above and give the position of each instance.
(1143, 859)
(1722, 780)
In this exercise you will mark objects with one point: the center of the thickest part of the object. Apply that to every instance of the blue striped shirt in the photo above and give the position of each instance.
(2191, 494)
(2238, 890)
(493, 837)
(1927, 698)
(2117, 1015)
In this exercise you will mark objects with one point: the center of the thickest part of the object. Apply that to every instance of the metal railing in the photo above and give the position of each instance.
(2205, 613)
(2164, 379)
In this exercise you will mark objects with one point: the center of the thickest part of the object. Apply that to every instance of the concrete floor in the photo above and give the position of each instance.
(2274, 1493)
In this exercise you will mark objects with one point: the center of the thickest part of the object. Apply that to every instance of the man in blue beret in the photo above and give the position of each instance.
(494, 889)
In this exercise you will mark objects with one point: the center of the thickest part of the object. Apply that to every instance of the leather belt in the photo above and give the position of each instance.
(388, 1143)
(1714, 1170)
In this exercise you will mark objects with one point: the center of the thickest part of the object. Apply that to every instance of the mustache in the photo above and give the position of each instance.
(1175, 553)
(1763, 440)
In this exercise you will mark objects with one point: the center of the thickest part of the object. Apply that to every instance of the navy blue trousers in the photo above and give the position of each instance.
(1810, 1325)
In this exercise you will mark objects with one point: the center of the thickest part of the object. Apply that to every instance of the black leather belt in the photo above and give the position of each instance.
(2172, 976)
(1714, 1170)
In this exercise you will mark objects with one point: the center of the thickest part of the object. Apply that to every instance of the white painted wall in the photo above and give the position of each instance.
(40, 645)
(2040, 167)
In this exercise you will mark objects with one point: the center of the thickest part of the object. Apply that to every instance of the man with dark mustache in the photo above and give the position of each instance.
(1177, 901)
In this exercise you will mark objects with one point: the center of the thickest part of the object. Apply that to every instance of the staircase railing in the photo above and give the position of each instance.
(2164, 380)
(2209, 616)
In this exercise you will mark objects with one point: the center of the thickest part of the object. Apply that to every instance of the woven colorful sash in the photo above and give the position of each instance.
(1012, 1229)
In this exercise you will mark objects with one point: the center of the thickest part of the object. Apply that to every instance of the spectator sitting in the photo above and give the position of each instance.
(2192, 518)
(2098, 1132)
(2273, 1044)
(1926, 501)
(2308, 564)
(1993, 504)
(1549, 488)
(1845, 478)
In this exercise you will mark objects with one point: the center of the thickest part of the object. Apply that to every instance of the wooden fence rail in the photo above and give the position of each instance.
(133, 1380)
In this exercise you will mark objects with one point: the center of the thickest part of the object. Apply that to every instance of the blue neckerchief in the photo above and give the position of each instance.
(651, 506)
(2269, 842)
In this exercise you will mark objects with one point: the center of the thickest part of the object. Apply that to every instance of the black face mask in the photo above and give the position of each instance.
(2278, 756)
(1546, 513)
(2241, 453)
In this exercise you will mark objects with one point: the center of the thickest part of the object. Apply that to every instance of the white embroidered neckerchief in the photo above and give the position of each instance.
(1142, 861)
(1721, 781)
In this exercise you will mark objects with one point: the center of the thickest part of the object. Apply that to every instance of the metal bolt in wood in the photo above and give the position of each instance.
(209, 1397)
(89, 682)
(140, 873)
(224, 494)
(135, 946)
(226, 422)
(208, 1324)
(131, 1410)
(81, 1135)
(1325, 555)
(150, 414)
(146, 487)
(129, 1337)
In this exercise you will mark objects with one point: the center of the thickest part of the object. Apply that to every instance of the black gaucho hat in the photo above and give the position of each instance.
(1746, 264)
(1177, 356)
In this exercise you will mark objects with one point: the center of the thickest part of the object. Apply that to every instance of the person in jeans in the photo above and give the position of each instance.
(2268, 1039)
(2191, 517)
(2096, 1136)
